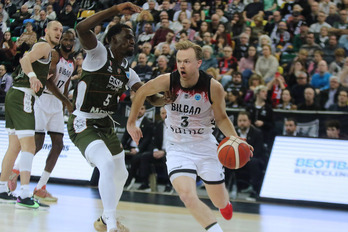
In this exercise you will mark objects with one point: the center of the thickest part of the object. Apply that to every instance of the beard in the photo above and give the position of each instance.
(65, 49)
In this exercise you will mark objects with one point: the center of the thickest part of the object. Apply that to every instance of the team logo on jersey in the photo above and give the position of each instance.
(127, 74)
(70, 65)
(198, 97)
(110, 69)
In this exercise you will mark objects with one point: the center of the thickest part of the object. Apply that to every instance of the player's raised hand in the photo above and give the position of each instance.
(134, 132)
(35, 84)
(128, 8)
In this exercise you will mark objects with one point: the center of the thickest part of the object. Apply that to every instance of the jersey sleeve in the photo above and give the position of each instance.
(95, 58)
(133, 78)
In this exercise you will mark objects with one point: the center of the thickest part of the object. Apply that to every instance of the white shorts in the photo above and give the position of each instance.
(195, 159)
(48, 114)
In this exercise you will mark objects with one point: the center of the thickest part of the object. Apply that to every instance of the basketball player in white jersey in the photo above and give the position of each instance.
(191, 147)
(49, 113)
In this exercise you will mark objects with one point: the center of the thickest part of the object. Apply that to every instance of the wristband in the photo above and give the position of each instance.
(31, 74)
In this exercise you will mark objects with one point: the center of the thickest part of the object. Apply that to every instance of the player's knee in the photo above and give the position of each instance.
(188, 198)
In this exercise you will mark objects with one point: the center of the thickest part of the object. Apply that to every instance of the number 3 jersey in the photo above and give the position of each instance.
(47, 101)
(190, 117)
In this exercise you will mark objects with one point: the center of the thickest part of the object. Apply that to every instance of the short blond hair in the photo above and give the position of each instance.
(184, 45)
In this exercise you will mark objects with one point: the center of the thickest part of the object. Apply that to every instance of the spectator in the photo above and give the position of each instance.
(275, 88)
(50, 13)
(153, 9)
(8, 48)
(248, 62)
(214, 24)
(168, 53)
(4, 13)
(263, 40)
(161, 67)
(310, 102)
(300, 39)
(144, 71)
(257, 26)
(242, 45)
(203, 29)
(295, 21)
(133, 156)
(99, 34)
(167, 8)
(74, 4)
(3, 26)
(310, 45)
(160, 35)
(76, 75)
(315, 27)
(320, 80)
(266, 65)
(313, 66)
(186, 23)
(297, 66)
(314, 12)
(41, 24)
(227, 64)
(237, 25)
(329, 96)
(290, 127)
(5, 82)
(234, 7)
(163, 15)
(143, 18)
(169, 41)
(254, 81)
(26, 40)
(343, 75)
(329, 49)
(236, 84)
(323, 37)
(343, 22)
(333, 15)
(183, 7)
(281, 39)
(257, 164)
(286, 101)
(10, 8)
(36, 13)
(252, 9)
(297, 91)
(333, 129)
(146, 35)
(67, 18)
(337, 65)
(19, 17)
(150, 57)
(233, 99)
(342, 103)
(197, 8)
(273, 20)
(208, 58)
(221, 32)
(177, 26)
(261, 114)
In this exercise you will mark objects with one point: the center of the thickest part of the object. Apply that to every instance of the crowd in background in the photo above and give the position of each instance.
(289, 55)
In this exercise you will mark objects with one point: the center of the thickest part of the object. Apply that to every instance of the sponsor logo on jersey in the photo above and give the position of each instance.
(98, 110)
(191, 110)
(127, 74)
(110, 69)
(198, 97)
(114, 83)
(186, 131)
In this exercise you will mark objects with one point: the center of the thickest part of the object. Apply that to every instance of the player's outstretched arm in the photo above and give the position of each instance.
(87, 37)
(159, 84)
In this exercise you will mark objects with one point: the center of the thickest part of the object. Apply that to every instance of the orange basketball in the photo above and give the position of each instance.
(233, 152)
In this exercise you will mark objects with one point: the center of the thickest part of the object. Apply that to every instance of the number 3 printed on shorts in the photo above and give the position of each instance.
(184, 122)
(107, 100)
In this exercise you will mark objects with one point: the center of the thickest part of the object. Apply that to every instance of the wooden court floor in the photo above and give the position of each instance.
(78, 207)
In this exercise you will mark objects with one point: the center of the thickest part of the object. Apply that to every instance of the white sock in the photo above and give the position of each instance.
(215, 228)
(43, 179)
(24, 192)
(3, 186)
(109, 217)
(120, 173)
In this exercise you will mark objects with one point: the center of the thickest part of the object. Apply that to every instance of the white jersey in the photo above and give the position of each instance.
(190, 117)
(47, 101)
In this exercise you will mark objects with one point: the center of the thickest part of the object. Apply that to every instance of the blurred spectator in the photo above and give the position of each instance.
(67, 17)
(313, 66)
(297, 90)
(255, 80)
(167, 8)
(266, 65)
(314, 12)
(329, 49)
(163, 15)
(214, 72)
(315, 27)
(144, 71)
(257, 164)
(27, 39)
(214, 24)
(323, 37)
(257, 26)
(343, 22)
(295, 21)
(263, 40)
(252, 9)
(333, 129)
(233, 99)
(196, 21)
(310, 101)
(74, 4)
(337, 65)
(329, 96)
(197, 8)
(275, 88)
(237, 25)
(248, 61)
(281, 39)
(290, 127)
(161, 67)
(186, 23)
(227, 64)
(99, 34)
(177, 26)
(342, 102)
(169, 41)
(152, 8)
(286, 101)
(343, 75)
(36, 13)
(160, 35)
(146, 35)
(3, 25)
(41, 24)
(333, 15)
(273, 20)
(4, 13)
(168, 53)
(183, 7)
(208, 58)
(88, 5)
(76, 75)
(5, 82)
(261, 114)
(10, 8)
(320, 80)
(297, 66)
(199, 36)
(324, 6)
(143, 18)
(236, 84)
(301, 38)
(234, 7)
(241, 46)
(19, 17)
(310, 45)
(221, 32)
(55, 6)
(8, 48)
(150, 57)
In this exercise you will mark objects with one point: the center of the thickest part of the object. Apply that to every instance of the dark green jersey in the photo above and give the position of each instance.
(98, 91)
(40, 67)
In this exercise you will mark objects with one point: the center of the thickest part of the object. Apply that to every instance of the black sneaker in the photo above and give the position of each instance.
(168, 189)
(7, 197)
(27, 203)
(144, 187)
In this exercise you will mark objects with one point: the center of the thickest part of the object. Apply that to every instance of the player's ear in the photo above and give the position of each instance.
(199, 63)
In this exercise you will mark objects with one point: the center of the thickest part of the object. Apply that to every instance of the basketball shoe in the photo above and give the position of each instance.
(100, 226)
(7, 197)
(30, 203)
(12, 183)
(44, 195)
(227, 211)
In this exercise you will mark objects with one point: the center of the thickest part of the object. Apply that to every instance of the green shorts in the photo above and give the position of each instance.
(84, 131)
(19, 110)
